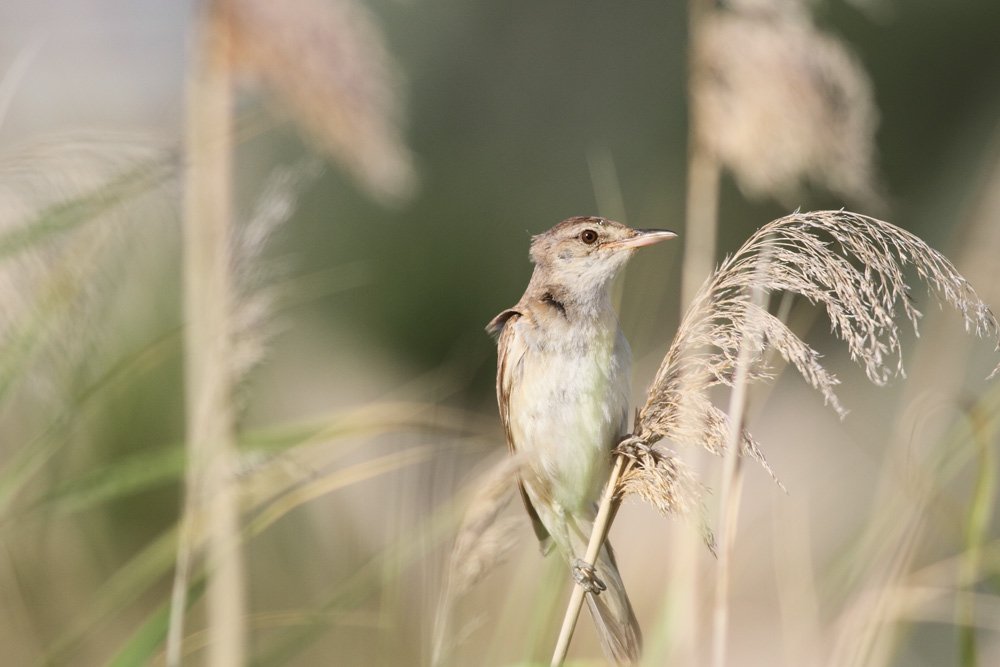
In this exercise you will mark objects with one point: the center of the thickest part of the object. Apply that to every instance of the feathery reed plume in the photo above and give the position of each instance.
(65, 201)
(659, 477)
(850, 264)
(253, 323)
(482, 543)
(327, 66)
(779, 102)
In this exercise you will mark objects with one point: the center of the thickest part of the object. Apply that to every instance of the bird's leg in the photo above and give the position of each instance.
(574, 537)
(586, 575)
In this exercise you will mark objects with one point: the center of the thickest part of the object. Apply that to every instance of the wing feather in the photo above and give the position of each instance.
(510, 352)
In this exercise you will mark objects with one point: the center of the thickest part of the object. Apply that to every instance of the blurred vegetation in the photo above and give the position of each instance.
(371, 409)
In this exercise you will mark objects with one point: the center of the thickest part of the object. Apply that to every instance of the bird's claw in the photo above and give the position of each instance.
(634, 447)
(585, 575)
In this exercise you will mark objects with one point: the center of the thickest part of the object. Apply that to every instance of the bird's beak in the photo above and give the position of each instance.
(643, 237)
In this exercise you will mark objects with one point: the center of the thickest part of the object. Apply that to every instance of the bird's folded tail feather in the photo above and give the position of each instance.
(617, 627)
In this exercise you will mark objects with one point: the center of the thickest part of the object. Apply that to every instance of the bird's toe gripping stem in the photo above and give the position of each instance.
(633, 447)
(586, 576)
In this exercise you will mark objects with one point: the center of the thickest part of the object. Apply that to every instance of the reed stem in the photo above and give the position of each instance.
(597, 535)
(208, 351)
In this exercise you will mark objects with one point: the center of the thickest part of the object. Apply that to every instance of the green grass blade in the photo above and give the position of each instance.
(976, 533)
(67, 215)
(148, 640)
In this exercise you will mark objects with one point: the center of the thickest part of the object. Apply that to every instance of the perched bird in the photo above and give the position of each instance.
(563, 388)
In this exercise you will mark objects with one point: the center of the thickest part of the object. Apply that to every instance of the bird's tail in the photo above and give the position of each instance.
(616, 624)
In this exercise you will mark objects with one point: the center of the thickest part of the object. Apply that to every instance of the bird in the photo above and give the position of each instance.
(563, 389)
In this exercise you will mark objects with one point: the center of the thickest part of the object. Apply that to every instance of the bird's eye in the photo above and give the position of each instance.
(588, 236)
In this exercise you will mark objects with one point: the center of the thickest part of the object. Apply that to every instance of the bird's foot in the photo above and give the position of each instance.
(634, 447)
(586, 576)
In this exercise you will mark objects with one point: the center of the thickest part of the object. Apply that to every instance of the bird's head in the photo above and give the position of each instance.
(582, 255)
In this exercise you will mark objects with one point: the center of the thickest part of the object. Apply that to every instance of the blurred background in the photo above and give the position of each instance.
(391, 161)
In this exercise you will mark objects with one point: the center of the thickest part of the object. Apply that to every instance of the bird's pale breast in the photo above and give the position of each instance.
(569, 406)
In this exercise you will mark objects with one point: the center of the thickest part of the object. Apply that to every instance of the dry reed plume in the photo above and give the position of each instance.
(850, 264)
(780, 103)
(254, 276)
(66, 204)
(327, 66)
(482, 543)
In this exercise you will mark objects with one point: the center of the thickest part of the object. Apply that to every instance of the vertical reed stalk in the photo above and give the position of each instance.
(732, 483)
(210, 491)
(701, 221)
(702, 204)
(976, 534)
(597, 535)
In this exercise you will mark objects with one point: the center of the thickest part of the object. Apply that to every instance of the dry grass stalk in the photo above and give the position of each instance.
(703, 172)
(701, 222)
(778, 103)
(732, 473)
(602, 523)
(208, 352)
(327, 65)
(700, 238)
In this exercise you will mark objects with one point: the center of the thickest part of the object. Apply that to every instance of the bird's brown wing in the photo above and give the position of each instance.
(510, 351)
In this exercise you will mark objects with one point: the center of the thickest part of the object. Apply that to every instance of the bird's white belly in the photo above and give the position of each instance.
(570, 411)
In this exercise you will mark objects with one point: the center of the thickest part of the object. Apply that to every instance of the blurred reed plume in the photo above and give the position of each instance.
(326, 63)
(780, 103)
(67, 209)
(256, 296)
(327, 66)
(482, 542)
